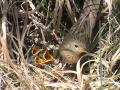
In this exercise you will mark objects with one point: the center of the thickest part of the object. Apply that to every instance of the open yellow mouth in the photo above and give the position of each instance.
(44, 58)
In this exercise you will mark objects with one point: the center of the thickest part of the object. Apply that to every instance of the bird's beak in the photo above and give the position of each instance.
(82, 51)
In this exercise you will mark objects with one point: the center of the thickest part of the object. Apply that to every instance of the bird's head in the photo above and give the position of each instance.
(71, 50)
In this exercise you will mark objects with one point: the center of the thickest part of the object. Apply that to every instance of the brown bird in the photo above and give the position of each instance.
(78, 40)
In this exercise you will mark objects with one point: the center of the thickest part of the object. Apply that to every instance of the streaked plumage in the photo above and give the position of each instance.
(78, 40)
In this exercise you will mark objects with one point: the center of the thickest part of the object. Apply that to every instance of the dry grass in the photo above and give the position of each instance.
(25, 24)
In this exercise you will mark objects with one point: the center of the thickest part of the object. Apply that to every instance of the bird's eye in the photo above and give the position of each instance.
(76, 45)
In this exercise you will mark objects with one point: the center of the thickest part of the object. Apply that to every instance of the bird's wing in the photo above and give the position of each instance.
(82, 29)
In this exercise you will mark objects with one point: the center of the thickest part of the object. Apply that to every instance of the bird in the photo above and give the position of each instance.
(77, 41)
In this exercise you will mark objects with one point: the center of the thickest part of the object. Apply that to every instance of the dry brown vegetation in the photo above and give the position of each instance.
(25, 24)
